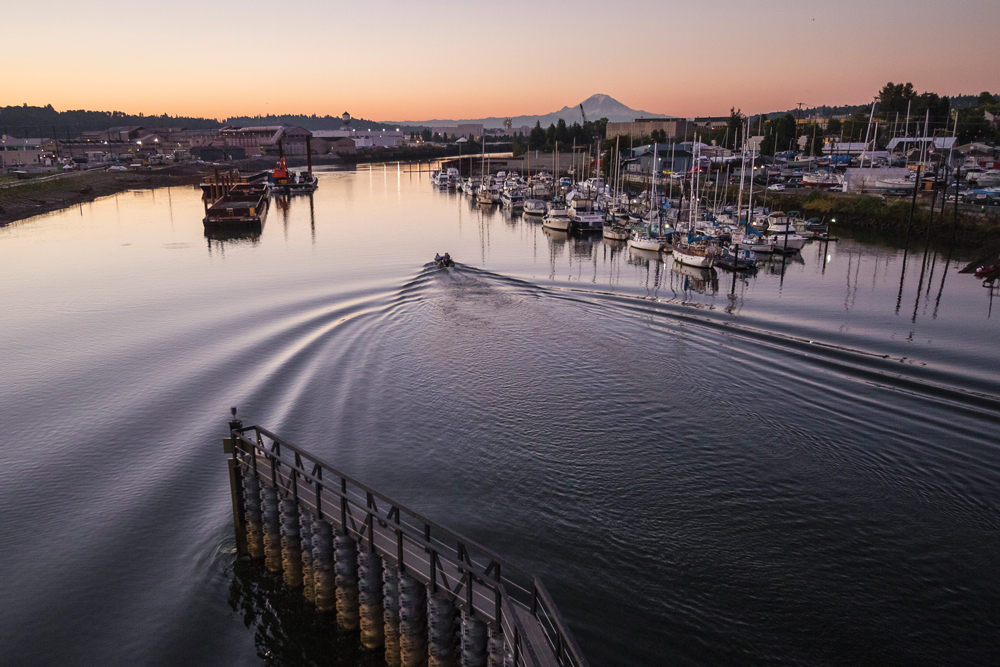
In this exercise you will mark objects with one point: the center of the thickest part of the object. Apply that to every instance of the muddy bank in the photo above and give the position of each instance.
(29, 198)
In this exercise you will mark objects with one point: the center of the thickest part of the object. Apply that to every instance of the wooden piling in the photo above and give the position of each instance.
(326, 584)
(291, 546)
(412, 622)
(441, 636)
(346, 566)
(390, 613)
(306, 544)
(497, 649)
(271, 524)
(252, 512)
(473, 641)
(370, 599)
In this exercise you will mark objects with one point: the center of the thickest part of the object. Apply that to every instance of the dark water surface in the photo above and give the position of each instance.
(797, 468)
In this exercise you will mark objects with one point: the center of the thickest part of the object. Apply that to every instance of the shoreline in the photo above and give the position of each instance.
(31, 199)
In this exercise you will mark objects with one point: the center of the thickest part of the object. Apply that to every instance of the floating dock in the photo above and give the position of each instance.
(420, 592)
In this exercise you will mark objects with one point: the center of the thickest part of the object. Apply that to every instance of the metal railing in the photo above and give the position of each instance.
(477, 579)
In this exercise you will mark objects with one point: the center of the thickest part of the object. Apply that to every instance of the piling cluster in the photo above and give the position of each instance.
(393, 611)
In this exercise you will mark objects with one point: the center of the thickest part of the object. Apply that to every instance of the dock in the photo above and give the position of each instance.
(413, 588)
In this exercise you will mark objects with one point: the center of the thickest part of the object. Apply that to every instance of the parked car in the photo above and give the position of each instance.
(777, 187)
(980, 198)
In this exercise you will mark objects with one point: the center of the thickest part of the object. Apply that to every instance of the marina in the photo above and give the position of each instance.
(601, 416)
(580, 363)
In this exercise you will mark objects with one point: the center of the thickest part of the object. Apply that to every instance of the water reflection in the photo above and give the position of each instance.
(696, 279)
(288, 632)
(239, 233)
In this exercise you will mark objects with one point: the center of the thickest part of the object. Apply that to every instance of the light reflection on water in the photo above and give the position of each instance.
(798, 466)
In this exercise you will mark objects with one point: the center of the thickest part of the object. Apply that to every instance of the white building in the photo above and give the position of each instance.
(16, 152)
(364, 138)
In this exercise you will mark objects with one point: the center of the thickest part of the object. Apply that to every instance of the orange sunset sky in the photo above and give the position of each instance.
(449, 59)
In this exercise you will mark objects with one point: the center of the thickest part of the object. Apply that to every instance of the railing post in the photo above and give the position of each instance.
(343, 504)
(236, 487)
(434, 579)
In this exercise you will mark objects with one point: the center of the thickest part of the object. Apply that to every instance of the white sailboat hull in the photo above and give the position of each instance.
(698, 261)
(645, 244)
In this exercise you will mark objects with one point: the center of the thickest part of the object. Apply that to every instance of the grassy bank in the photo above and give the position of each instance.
(893, 215)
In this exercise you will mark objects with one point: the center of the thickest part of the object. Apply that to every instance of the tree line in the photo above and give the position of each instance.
(33, 121)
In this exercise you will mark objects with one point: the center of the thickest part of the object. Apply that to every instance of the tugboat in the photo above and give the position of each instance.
(282, 181)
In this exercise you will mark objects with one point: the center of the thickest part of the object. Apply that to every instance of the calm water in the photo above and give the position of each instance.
(796, 468)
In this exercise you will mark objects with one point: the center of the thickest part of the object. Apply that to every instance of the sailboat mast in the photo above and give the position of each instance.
(743, 172)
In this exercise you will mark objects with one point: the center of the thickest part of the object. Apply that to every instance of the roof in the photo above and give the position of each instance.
(256, 128)
(939, 142)
(15, 141)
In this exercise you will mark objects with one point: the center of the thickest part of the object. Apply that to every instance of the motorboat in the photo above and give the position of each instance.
(534, 207)
(584, 216)
(822, 179)
(488, 194)
(987, 179)
(512, 200)
(443, 261)
(557, 219)
(781, 227)
(470, 186)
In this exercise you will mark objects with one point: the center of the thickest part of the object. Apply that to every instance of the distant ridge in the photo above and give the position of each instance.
(596, 106)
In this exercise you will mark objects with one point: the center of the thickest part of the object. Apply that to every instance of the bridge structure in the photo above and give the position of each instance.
(415, 589)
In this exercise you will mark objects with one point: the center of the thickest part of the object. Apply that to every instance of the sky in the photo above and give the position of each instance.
(389, 60)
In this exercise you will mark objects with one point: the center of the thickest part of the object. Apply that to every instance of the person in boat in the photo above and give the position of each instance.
(447, 258)
(438, 258)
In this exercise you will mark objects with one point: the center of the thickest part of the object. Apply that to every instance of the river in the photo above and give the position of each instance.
(798, 467)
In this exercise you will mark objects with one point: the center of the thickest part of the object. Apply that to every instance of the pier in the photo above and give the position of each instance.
(416, 590)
